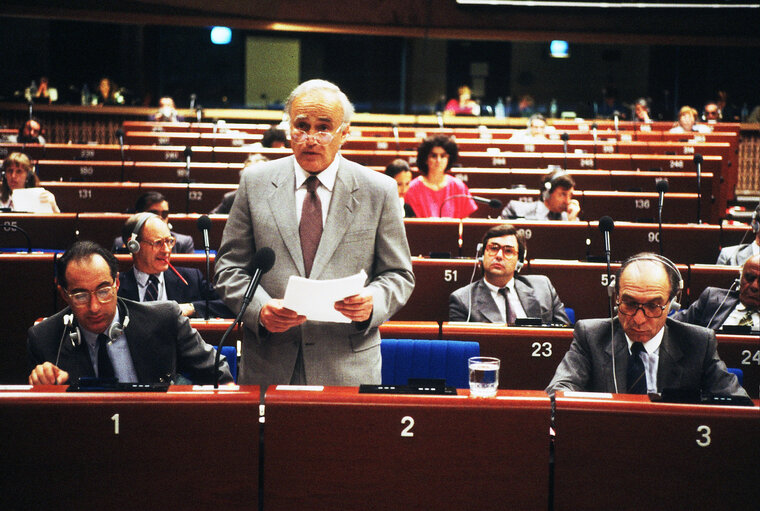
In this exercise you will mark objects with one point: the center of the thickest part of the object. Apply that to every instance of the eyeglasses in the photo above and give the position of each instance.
(493, 248)
(169, 241)
(630, 308)
(163, 213)
(299, 136)
(104, 294)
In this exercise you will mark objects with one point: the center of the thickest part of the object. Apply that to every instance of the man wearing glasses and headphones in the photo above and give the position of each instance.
(556, 202)
(100, 335)
(155, 202)
(502, 296)
(651, 351)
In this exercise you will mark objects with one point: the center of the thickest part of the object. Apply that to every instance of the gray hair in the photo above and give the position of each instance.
(323, 86)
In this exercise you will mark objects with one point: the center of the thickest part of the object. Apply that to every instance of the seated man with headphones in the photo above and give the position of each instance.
(737, 255)
(155, 202)
(502, 296)
(651, 351)
(101, 335)
(152, 276)
(717, 307)
(556, 202)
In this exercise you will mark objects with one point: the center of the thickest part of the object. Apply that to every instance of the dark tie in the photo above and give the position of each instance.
(105, 368)
(510, 314)
(637, 379)
(310, 228)
(151, 291)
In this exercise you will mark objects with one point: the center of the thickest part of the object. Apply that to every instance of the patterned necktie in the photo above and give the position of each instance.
(151, 291)
(310, 228)
(105, 368)
(747, 318)
(637, 379)
(510, 314)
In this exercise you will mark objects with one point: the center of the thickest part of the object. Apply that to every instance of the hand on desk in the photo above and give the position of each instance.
(48, 374)
(357, 307)
(276, 318)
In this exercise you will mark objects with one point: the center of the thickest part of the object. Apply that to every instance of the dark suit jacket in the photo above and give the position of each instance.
(688, 360)
(194, 292)
(535, 292)
(185, 244)
(707, 311)
(224, 207)
(161, 342)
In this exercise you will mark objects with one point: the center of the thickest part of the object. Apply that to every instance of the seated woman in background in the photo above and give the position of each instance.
(399, 170)
(687, 118)
(18, 174)
(436, 193)
(464, 104)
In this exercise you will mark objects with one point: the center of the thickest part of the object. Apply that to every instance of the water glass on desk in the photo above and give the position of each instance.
(484, 376)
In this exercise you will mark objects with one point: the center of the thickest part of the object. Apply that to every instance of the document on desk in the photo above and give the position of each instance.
(315, 299)
(28, 200)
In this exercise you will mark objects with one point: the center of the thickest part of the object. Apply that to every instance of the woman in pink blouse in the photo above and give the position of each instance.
(436, 193)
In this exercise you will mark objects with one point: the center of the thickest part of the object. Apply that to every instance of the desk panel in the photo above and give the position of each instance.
(529, 356)
(742, 352)
(93, 197)
(630, 454)
(46, 231)
(169, 450)
(337, 449)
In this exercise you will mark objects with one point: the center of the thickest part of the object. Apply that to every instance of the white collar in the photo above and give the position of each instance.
(652, 345)
(510, 285)
(142, 278)
(326, 177)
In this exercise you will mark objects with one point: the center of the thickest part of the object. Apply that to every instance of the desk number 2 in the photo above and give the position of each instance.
(705, 439)
(407, 431)
(115, 419)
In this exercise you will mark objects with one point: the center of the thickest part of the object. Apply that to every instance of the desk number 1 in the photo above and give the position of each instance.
(115, 419)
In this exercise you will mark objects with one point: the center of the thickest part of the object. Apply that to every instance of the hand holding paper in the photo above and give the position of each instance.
(318, 299)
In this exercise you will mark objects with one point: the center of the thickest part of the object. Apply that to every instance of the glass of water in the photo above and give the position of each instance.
(484, 376)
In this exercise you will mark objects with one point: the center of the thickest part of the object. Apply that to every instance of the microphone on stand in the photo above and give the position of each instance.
(606, 225)
(204, 225)
(698, 159)
(193, 99)
(439, 116)
(198, 113)
(120, 137)
(263, 261)
(565, 137)
(494, 203)
(594, 127)
(662, 188)
(616, 116)
(395, 136)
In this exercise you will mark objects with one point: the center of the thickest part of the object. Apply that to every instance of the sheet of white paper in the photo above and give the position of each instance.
(315, 299)
(28, 199)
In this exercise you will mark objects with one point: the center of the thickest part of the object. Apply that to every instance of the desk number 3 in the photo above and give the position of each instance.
(705, 439)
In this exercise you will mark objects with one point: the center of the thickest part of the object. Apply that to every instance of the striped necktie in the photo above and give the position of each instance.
(151, 291)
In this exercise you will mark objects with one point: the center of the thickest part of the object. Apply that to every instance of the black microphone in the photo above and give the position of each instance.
(494, 203)
(120, 137)
(188, 158)
(16, 228)
(698, 159)
(662, 188)
(606, 225)
(204, 225)
(565, 137)
(263, 261)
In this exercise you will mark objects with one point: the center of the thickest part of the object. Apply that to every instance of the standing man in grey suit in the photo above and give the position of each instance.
(737, 255)
(651, 352)
(502, 296)
(717, 307)
(324, 217)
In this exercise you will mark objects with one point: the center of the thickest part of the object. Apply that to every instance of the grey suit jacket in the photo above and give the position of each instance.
(364, 230)
(707, 311)
(161, 342)
(535, 292)
(688, 360)
(735, 255)
(535, 210)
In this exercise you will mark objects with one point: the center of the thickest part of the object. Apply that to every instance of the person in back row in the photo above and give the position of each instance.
(399, 170)
(556, 202)
(502, 296)
(18, 174)
(737, 255)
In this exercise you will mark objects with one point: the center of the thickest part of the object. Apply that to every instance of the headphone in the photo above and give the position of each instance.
(549, 183)
(114, 331)
(670, 267)
(133, 245)
(756, 220)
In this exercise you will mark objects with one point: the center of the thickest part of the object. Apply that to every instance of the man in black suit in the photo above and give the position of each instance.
(152, 277)
(101, 335)
(502, 296)
(155, 202)
(651, 351)
(717, 307)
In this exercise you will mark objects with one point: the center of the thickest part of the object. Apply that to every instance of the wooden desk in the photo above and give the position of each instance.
(630, 454)
(130, 450)
(46, 231)
(338, 449)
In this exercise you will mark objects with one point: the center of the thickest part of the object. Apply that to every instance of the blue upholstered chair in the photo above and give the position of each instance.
(413, 358)
(739, 374)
